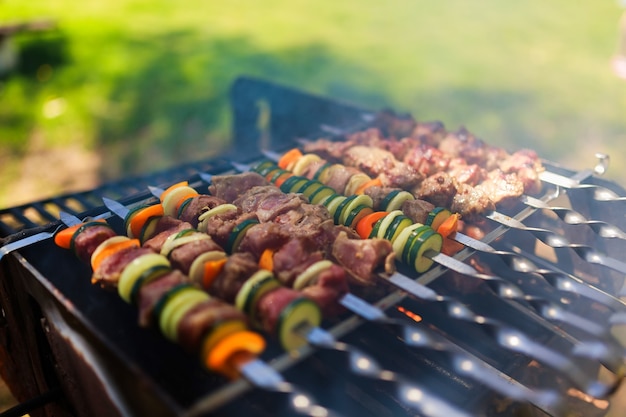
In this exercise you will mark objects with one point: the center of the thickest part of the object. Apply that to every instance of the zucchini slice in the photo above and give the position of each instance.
(423, 242)
(319, 174)
(174, 197)
(265, 167)
(394, 200)
(357, 214)
(398, 224)
(303, 163)
(386, 221)
(400, 245)
(305, 278)
(237, 234)
(333, 202)
(176, 307)
(437, 216)
(322, 194)
(351, 203)
(182, 238)
(292, 184)
(300, 311)
(133, 271)
(259, 284)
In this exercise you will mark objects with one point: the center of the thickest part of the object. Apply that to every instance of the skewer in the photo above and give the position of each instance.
(463, 362)
(545, 307)
(427, 402)
(514, 259)
(20, 243)
(257, 372)
(453, 308)
(572, 217)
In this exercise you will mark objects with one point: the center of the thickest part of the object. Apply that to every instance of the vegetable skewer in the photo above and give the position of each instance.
(550, 238)
(425, 293)
(227, 349)
(426, 339)
(517, 262)
(547, 307)
(322, 339)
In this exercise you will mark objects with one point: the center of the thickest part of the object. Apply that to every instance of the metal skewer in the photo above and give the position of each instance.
(427, 402)
(596, 351)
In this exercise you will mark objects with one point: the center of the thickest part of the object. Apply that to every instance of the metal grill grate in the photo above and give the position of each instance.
(271, 117)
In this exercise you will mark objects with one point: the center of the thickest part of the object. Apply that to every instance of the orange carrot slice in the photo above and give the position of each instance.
(172, 187)
(267, 259)
(449, 225)
(236, 348)
(63, 238)
(111, 249)
(289, 157)
(371, 183)
(140, 218)
(211, 270)
(366, 224)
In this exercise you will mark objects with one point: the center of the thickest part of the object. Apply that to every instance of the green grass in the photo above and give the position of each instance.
(145, 82)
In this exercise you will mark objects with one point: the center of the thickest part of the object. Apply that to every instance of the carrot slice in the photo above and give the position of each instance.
(450, 247)
(449, 225)
(172, 187)
(63, 238)
(280, 180)
(184, 198)
(371, 183)
(233, 350)
(289, 157)
(211, 270)
(366, 224)
(108, 251)
(140, 218)
(267, 259)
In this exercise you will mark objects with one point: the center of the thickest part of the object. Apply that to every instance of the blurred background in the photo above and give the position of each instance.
(95, 90)
(92, 91)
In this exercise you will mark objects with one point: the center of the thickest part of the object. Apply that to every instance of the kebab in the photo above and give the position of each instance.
(319, 337)
(354, 304)
(216, 331)
(232, 186)
(391, 224)
(427, 149)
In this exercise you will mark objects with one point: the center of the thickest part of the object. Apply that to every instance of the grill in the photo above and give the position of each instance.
(532, 335)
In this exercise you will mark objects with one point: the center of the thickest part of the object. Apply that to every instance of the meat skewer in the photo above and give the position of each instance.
(426, 213)
(95, 240)
(322, 339)
(425, 293)
(426, 339)
(548, 237)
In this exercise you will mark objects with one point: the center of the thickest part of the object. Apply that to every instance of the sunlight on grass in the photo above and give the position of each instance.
(137, 74)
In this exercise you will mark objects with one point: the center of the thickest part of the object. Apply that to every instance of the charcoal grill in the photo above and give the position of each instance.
(69, 348)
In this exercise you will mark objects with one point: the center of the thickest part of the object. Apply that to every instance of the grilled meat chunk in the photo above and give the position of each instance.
(381, 163)
(197, 206)
(153, 291)
(362, 257)
(417, 210)
(111, 268)
(438, 189)
(86, 242)
(230, 187)
(238, 268)
(203, 317)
